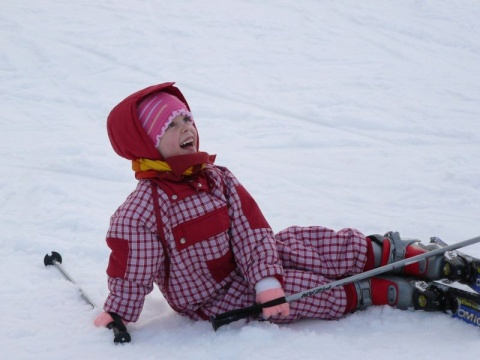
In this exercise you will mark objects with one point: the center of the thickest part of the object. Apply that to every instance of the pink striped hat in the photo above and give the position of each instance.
(157, 111)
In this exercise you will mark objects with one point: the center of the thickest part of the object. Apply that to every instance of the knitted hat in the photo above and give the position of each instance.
(157, 111)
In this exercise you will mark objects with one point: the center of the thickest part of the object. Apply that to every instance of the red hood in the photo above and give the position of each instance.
(126, 134)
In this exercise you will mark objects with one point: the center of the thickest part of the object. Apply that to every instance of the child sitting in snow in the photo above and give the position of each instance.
(191, 228)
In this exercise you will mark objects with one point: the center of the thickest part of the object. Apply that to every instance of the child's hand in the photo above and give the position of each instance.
(104, 318)
(269, 295)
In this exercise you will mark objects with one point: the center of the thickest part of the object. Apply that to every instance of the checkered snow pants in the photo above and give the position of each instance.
(312, 256)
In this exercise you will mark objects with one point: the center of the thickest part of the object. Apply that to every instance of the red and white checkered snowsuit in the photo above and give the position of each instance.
(206, 244)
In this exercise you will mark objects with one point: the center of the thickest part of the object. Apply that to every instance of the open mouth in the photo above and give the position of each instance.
(186, 144)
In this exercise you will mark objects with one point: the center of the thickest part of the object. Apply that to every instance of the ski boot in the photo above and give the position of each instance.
(391, 248)
(416, 294)
(402, 293)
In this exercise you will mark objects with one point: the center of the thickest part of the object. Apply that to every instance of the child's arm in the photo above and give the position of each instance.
(254, 247)
(135, 258)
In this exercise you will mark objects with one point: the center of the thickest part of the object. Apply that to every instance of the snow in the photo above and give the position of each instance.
(338, 113)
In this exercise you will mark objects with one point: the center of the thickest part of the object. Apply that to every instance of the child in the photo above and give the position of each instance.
(191, 228)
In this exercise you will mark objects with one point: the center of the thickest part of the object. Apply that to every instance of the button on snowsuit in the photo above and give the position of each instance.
(205, 243)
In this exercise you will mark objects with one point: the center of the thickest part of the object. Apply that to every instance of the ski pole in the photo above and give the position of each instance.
(119, 329)
(255, 310)
(56, 260)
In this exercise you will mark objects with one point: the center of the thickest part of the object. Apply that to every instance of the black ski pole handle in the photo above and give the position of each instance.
(234, 315)
(119, 336)
(238, 314)
(120, 333)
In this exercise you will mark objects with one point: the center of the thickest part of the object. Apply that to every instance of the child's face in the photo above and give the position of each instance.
(180, 138)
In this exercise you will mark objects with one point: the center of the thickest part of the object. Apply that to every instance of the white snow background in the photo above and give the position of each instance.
(337, 113)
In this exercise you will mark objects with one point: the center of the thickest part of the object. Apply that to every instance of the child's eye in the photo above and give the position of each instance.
(177, 122)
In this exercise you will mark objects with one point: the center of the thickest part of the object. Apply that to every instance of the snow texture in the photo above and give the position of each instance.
(338, 113)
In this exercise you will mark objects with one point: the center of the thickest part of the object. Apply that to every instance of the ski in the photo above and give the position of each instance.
(474, 264)
(460, 304)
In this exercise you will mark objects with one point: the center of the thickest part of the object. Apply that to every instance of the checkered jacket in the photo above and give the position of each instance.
(205, 243)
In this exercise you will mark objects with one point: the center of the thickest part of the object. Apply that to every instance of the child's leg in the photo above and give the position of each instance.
(328, 305)
(400, 292)
(323, 251)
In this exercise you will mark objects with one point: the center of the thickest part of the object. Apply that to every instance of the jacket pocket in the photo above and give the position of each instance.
(201, 228)
(222, 267)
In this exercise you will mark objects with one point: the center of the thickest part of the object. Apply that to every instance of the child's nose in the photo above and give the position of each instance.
(186, 125)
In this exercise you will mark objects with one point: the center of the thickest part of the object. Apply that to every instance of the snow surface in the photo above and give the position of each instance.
(337, 113)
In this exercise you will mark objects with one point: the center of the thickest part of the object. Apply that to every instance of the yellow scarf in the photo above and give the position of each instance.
(142, 164)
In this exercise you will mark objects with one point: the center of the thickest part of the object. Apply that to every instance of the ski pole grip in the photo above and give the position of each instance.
(234, 315)
(120, 333)
(251, 311)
